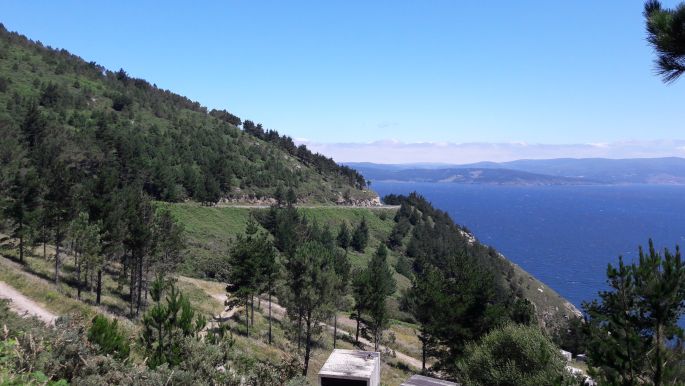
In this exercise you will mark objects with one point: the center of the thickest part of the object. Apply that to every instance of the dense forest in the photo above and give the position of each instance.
(105, 129)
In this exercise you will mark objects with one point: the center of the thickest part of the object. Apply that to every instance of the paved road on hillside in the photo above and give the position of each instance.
(259, 206)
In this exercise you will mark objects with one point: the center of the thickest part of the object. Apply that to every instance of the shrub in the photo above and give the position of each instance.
(108, 337)
(120, 102)
(513, 355)
(404, 267)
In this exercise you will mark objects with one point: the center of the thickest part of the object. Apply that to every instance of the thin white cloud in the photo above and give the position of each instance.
(393, 151)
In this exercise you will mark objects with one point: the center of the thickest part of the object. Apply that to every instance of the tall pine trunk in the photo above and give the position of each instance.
(21, 242)
(356, 339)
(423, 354)
(99, 287)
(140, 284)
(377, 333)
(308, 343)
(78, 276)
(252, 310)
(247, 316)
(269, 313)
(132, 285)
(299, 330)
(147, 276)
(45, 243)
(335, 329)
(57, 263)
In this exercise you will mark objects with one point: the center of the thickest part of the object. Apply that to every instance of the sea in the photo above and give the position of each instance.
(563, 235)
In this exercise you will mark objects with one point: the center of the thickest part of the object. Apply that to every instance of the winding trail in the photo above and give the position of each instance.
(25, 306)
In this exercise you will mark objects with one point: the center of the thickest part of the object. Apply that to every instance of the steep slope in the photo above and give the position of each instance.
(209, 230)
(56, 106)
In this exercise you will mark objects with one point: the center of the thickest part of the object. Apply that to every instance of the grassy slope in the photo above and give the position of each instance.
(210, 229)
(33, 280)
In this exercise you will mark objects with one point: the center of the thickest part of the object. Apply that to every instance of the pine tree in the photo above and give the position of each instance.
(166, 324)
(168, 242)
(399, 231)
(666, 34)
(360, 238)
(24, 195)
(342, 268)
(268, 269)
(115, 231)
(361, 292)
(290, 198)
(279, 196)
(311, 278)
(111, 340)
(381, 285)
(630, 325)
(139, 242)
(424, 301)
(86, 247)
(57, 210)
(343, 238)
(244, 268)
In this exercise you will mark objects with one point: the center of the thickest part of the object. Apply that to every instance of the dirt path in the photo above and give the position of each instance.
(216, 291)
(37, 280)
(279, 312)
(25, 306)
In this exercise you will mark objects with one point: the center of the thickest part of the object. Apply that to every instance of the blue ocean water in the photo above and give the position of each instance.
(564, 235)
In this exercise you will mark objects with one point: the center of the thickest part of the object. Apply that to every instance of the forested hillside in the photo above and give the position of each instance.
(107, 194)
(64, 118)
(474, 288)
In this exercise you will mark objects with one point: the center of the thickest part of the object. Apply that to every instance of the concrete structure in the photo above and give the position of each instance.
(567, 355)
(420, 380)
(351, 368)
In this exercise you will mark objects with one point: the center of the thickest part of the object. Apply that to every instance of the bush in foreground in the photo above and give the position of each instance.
(513, 355)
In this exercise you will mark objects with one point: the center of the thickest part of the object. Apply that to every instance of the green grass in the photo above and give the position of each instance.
(32, 280)
(209, 224)
(210, 230)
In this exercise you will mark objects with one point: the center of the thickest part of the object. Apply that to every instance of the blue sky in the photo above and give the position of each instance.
(331, 72)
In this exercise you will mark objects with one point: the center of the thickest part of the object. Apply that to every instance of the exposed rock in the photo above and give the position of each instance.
(248, 200)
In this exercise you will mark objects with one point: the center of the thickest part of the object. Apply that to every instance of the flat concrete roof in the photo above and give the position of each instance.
(350, 363)
(420, 380)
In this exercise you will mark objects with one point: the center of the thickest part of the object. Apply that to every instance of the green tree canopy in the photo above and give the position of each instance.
(666, 34)
(381, 285)
(311, 278)
(360, 237)
(513, 355)
(634, 320)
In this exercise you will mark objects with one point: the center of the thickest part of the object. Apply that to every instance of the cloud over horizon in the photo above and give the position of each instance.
(395, 152)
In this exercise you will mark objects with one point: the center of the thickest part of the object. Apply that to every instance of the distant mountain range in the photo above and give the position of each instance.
(561, 171)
